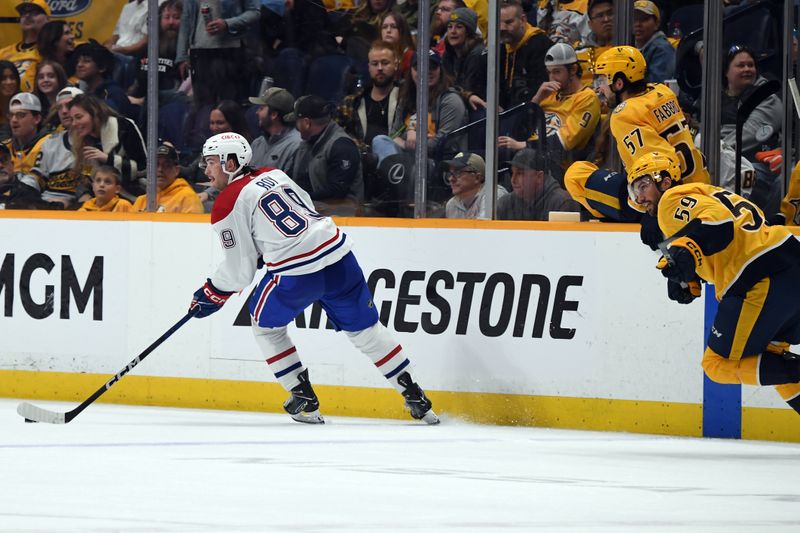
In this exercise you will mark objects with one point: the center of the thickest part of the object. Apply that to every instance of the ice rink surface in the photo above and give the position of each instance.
(141, 469)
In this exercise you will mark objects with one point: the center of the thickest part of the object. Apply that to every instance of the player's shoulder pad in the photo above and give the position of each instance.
(224, 203)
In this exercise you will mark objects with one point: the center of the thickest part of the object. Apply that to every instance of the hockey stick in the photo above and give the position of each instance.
(31, 413)
(742, 114)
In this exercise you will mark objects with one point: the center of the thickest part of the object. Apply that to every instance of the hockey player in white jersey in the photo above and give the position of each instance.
(263, 214)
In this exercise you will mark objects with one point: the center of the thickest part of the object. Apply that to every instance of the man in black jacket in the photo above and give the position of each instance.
(522, 68)
(327, 164)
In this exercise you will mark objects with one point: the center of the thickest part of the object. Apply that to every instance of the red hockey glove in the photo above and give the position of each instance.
(208, 299)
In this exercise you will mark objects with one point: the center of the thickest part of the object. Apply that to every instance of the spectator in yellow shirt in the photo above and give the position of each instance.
(175, 195)
(33, 14)
(106, 184)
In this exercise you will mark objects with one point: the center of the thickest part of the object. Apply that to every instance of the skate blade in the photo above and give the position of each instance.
(430, 418)
(309, 418)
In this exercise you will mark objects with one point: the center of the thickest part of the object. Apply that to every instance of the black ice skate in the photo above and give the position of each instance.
(416, 402)
(303, 405)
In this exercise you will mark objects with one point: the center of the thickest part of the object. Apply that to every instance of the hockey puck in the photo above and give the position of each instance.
(29, 421)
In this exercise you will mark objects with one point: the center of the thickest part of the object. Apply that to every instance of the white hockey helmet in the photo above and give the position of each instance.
(225, 145)
(560, 54)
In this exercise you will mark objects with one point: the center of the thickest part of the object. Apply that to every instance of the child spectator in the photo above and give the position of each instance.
(50, 79)
(106, 185)
(94, 67)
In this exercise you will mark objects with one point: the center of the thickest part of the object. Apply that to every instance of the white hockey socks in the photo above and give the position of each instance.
(377, 343)
(281, 355)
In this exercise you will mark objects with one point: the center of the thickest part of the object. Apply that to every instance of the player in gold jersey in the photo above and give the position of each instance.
(721, 238)
(646, 118)
(790, 205)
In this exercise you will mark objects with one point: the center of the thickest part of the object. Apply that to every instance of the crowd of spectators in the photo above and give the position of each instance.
(326, 91)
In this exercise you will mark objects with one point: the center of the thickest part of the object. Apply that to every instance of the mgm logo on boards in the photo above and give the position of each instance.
(39, 302)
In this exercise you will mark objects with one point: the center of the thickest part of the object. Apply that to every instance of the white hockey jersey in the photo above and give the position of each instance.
(266, 214)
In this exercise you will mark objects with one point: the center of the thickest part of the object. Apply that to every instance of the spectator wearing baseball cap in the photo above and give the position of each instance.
(466, 176)
(327, 164)
(54, 171)
(33, 14)
(27, 136)
(94, 66)
(534, 192)
(447, 111)
(572, 108)
(174, 194)
(279, 140)
(651, 41)
(464, 57)
(63, 99)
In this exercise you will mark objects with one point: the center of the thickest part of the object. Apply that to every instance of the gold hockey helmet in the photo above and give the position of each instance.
(625, 60)
(655, 166)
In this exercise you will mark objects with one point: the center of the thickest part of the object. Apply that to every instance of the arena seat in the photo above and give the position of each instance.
(329, 77)
(290, 71)
(757, 26)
